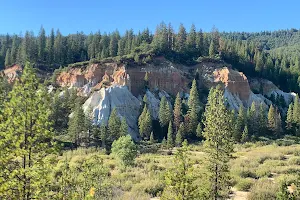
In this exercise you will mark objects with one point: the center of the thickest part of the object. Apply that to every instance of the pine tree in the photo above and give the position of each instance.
(8, 59)
(181, 39)
(58, 49)
(252, 120)
(50, 47)
(76, 125)
(289, 117)
(42, 45)
(121, 47)
(262, 120)
(245, 135)
(194, 108)
(164, 113)
(240, 124)
(199, 130)
(160, 40)
(26, 140)
(170, 140)
(180, 179)
(171, 37)
(211, 51)
(145, 100)
(145, 127)
(113, 46)
(194, 97)
(152, 139)
(88, 126)
(191, 40)
(296, 111)
(113, 126)
(142, 116)
(177, 111)
(218, 144)
(200, 42)
(164, 142)
(14, 49)
(103, 135)
(123, 127)
(274, 121)
(278, 124)
(271, 118)
(259, 62)
(179, 135)
(5, 88)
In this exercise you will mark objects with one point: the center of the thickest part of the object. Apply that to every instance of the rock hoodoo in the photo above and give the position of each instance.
(236, 88)
(235, 82)
(101, 103)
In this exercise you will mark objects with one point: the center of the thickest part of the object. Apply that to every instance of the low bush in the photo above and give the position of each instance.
(285, 142)
(263, 189)
(153, 187)
(244, 184)
(294, 160)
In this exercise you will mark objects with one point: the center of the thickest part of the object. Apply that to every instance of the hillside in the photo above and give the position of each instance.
(185, 115)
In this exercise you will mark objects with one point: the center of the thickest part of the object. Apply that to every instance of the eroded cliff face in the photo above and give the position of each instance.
(102, 102)
(236, 88)
(235, 82)
(96, 76)
(170, 78)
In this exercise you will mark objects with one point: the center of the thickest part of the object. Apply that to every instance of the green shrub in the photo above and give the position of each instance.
(296, 152)
(125, 150)
(244, 184)
(263, 172)
(285, 142)
(153, 187)
(294, 161)
(263, 189)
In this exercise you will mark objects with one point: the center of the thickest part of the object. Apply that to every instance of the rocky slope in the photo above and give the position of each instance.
(101, 103)
(111, 85)
(268, 89)
(167, 78)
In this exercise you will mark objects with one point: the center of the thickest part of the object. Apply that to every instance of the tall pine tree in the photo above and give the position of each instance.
(26, 140)
(218, 143)
(177, 112)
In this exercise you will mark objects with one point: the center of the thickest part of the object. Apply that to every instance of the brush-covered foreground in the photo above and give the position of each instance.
(257, 170)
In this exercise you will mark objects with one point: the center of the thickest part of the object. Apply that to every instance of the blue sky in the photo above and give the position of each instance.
(88, 16)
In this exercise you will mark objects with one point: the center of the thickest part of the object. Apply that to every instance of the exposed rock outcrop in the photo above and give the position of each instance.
(93, 76)
(153, 104)
(235, 82)
(164, 76)
(13, 72)
(267, 88)
(101, 103)
(236, 88)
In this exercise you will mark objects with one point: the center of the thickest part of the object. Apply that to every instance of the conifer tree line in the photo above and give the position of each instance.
(263, 54)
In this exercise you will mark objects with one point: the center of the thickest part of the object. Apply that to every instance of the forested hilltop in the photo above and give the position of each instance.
(165, 115)
(272, 55)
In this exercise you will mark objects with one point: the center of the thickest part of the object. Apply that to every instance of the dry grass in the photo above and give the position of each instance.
(252, 165)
